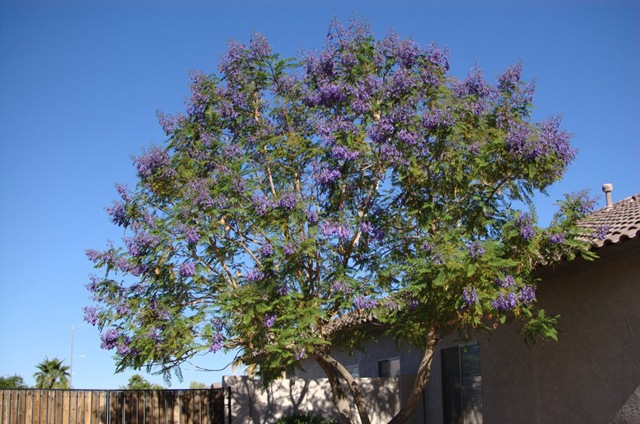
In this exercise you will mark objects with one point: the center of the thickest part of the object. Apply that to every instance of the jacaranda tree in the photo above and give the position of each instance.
(295, 195)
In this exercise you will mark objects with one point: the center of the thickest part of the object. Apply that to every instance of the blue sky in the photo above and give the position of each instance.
(80, 83)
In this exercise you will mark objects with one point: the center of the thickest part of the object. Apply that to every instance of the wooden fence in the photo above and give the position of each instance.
(34, 406)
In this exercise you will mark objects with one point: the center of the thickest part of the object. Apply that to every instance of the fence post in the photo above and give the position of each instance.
(229, 404)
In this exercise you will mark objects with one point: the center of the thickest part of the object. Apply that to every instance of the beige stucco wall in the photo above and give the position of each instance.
(592, 374)
(252, 404)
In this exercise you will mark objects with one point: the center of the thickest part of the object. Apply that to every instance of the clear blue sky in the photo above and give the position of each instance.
(80, 83)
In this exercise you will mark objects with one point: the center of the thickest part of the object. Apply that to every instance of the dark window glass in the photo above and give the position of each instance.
(461, 385)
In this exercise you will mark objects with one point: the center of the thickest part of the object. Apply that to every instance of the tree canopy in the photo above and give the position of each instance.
(12, 382)
(358, 180)
(52, 374)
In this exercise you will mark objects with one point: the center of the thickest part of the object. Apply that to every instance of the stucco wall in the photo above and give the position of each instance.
(592, 374)
(252, 404)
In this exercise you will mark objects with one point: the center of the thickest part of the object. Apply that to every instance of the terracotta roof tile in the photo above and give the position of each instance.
(621, 221)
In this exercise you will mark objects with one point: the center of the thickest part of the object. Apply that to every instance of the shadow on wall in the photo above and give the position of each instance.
(252, 403)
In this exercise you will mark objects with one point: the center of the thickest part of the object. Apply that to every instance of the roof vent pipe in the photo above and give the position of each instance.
(608, 188)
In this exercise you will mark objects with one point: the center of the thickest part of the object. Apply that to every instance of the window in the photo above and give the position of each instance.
(389, 368)
(461, 385)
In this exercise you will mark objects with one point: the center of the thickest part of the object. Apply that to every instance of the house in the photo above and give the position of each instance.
(591, 375)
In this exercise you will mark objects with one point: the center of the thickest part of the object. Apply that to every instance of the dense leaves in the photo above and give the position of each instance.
(296, 193)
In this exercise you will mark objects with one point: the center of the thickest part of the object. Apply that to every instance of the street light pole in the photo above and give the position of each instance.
(71, 357)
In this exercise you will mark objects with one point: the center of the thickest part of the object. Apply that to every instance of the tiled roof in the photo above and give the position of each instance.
(620, 221)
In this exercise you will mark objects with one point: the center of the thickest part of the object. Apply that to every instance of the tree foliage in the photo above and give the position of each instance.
(138, 382)
(358, 180)
(12, 382)
(52, 374)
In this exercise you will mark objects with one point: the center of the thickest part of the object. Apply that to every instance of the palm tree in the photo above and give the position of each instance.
(52, 374)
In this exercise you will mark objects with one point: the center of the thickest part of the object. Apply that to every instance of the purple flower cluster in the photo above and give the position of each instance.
(527, 294)
(299, 353)
(124, 345)
(151, 161)
(187, 269)
(289, 249)
(269, 320)
(364, 303)
(140, 243)
(470, 296)
(325, 176)
(476, 249)
(312, 217)
(505, 302)
(341, 230)
(261, 204)
(525, 223)
(341, 152)
(288, 201)
(340, 287)
(255, 275)
(217, 343)
(266, 250)
(557, 238)
(602, 231)
(109, 339)
(507, 282)
(435, 118)
(191, 234)
(90, 315)
(118, 214)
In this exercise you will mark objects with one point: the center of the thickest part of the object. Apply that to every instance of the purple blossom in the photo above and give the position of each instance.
(390, 153)
(217, 343)
(364, 302)
(527, 294)
(289, 249)
(341, 152)
(123, 192)
(231, 151)
(191, 234)
(288, 201)
(109, 339)
(312, 217)
(325, 176)
(507, 282)
(340, 287)
(238, 185)
(524, 223)
(435, 118)
(187, 269)
(123, 346)
(118, 214)
(269, 320)
(261, 204)
(602, 231)
(510, 77)
(90, 315)
(255, 275)
(154, 334)
(476, 249)
(505, 303)
(140, 243)
(557, 238)
(151, 161)
(299, 353)
(470, 296)
(408, 137)
(266, 250)
(367, 228)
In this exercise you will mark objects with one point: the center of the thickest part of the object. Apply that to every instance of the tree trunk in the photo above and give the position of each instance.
(334, 368)
(340, 400)
(420, 382)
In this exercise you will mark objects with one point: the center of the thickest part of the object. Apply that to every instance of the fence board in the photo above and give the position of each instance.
(34, 406)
